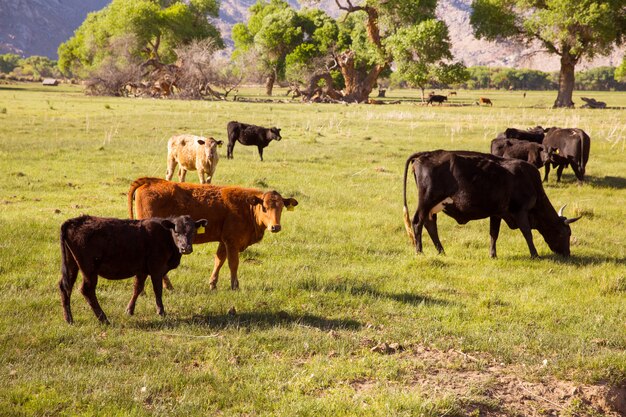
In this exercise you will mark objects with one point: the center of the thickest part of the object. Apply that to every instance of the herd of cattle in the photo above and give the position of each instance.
(504, 185)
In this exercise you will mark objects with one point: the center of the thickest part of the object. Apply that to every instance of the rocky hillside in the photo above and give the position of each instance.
(37, 27)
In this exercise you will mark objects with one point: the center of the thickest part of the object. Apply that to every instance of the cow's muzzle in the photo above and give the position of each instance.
(186, 250)
(275, 228)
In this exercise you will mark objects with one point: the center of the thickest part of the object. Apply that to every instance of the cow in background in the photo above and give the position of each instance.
(573, 147)
(250, 135)
(192, 153)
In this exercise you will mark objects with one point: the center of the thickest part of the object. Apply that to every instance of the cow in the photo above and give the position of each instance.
(535, 134)
(484, 100)
(250, 135)
(436, 99)
(117, 249)
(573, 146)
(192, 153)
(471, 185)
(531, 152)
(237, 217)
(452, 93)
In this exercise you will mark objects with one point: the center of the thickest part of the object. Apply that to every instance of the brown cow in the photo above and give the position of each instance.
(484, 100)
(237, 217)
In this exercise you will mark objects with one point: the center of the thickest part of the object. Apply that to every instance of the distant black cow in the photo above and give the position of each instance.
(118, 249)
(535, 134)
(470, 185)
(437, 99)
(531, 152)
(250, 135)
(573, 146)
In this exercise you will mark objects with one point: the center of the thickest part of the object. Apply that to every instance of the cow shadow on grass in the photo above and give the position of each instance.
(365, 290)
(608, 181)
(252, 321)
(574, 259)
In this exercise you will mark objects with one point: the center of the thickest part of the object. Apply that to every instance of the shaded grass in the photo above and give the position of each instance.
(339, 279)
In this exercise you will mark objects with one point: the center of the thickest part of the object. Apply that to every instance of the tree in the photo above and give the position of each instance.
(273, 30)
(8, 62)
(422, 54)
(157, 27)
(620, 72)
(571, 29)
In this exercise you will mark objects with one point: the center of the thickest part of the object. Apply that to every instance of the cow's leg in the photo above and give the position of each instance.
(233, 264)
(181, 174)
(229, 148)
(559, 171)
(167, 284)
(157, 286)
(431, 226)
(201, 176)
(494, 232)
(171, 165)
(418, 224)
(578, 172)
(261, 152)
(88, 289)
(547, 171)
(220, 258)
(140, 281)
(524, 227)
(66, 284)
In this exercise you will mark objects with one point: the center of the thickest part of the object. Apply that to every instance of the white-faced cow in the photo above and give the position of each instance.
(192, 153)
(237, 217)
(250, 135)
(118, 249)
(573, 147)
(470, 185)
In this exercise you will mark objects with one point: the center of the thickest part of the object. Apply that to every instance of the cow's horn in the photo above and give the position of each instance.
(570, 221)
(561, 210)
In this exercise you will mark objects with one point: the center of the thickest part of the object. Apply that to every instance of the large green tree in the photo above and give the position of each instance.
(272, 31)
(571, 29)
(156, 26)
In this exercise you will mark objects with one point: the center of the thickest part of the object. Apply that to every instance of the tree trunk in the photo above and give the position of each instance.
(269, 83)
(566, 81)
(359, 84)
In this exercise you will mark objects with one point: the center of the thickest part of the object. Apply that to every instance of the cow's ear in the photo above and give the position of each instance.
(201, 142)
(168, 224)
(290, 203)
(254, 200)
(201, 223)
(219, 142)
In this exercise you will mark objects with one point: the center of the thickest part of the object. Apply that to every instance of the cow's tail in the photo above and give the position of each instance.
(582, 162)
(69, 271)
(133, 188)
(407, 220)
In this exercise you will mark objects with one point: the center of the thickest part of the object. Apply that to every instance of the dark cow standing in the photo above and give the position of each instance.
(470, 185)
(531, 152)
(250, 135)
(118, 249)
(437, 99)
(573, 147)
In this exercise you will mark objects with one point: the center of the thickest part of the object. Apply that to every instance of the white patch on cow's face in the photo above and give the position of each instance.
(439, 207)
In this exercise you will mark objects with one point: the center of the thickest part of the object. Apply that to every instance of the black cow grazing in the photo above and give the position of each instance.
(531, 152)
(470, 185)
(250, 135)
(436, 99)
(535, 134)
(118, 249)
(573, 147)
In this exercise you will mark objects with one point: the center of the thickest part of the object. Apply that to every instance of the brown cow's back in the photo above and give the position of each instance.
(226, 208)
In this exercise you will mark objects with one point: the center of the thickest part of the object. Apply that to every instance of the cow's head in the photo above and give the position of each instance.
(559, 238)
(274, 133)
(269, 207)
(209, 147)
(183, 229)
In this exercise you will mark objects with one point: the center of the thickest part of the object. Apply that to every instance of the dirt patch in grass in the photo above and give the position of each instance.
(485, 387)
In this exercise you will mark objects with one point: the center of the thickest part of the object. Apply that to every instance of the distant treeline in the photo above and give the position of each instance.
(480, 78)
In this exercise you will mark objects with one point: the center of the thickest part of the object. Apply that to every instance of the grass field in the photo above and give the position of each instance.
(319, 300)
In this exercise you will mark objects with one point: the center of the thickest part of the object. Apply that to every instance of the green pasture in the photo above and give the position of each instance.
(339, 279)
